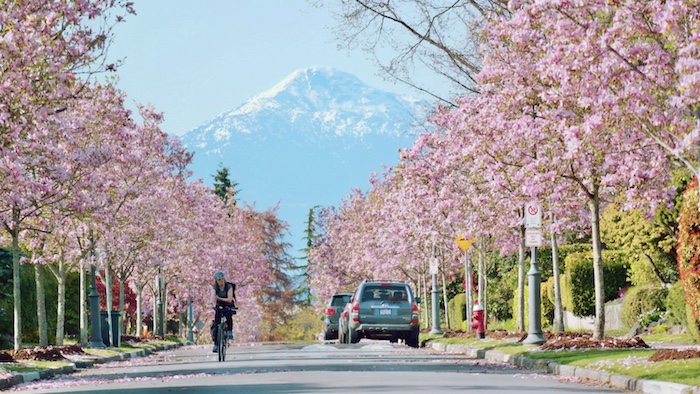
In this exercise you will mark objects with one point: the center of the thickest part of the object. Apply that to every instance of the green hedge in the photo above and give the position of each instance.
(546, 306)
(30, 330)
(544, 257)
(641, 300)
(675, 305)
(456, 308)
(693, 325)
(579, 281)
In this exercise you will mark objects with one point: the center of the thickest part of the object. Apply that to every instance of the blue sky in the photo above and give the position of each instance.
(195, 60)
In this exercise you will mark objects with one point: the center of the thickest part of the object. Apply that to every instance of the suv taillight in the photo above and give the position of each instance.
(355, 311)
(330, 311)
(415, 313)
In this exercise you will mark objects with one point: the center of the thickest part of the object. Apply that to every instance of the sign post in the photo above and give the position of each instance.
(533, 239)
(465, 244)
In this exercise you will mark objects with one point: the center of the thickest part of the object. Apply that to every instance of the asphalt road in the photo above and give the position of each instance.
(366, 367)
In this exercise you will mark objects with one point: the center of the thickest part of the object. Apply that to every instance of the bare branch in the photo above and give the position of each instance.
(414, 40)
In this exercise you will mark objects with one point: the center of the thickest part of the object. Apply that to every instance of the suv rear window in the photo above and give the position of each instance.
(338, 301)
(382, 293)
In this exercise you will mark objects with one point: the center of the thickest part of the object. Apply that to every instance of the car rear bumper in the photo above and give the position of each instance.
(383, 328)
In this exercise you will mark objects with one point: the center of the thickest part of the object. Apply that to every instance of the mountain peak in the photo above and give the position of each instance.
(312, 85)
(316, 101)
(307, 141)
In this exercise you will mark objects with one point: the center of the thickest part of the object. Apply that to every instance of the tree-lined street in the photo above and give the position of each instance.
(366, 367)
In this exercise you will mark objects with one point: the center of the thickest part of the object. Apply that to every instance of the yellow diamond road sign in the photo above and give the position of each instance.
(464, 244)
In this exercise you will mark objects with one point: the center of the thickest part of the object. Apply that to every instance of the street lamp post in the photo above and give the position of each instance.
(96, 332)
(190, 315)
(435, 295)
(533, 238)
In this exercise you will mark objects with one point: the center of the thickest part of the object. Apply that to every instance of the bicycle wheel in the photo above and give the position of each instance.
(224, 345)
(222, 342)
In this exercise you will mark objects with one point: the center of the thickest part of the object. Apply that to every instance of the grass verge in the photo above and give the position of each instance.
(628, 362)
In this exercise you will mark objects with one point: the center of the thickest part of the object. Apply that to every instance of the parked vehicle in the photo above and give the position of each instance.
(331, 314)
(381, 310)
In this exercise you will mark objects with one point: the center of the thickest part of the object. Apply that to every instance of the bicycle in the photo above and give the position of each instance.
(221, 333)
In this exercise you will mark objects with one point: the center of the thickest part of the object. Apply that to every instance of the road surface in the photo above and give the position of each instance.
(366, 367)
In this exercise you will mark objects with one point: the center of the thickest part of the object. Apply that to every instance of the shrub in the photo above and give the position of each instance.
(580, 277)
(456, 308)
(545, 258)
(499, 299)
(693, 325)
(688, 250)
(643, 304)
(304, 325)
(675, 305)
(660, 329)
(546, 309)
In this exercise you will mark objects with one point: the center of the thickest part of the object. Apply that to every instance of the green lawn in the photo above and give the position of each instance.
(24, 366)
(33, 366)
(629, 362)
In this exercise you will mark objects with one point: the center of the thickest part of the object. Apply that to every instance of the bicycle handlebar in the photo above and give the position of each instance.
(233, 309)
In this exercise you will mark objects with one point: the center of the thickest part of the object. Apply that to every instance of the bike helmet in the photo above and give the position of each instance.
(219, 275)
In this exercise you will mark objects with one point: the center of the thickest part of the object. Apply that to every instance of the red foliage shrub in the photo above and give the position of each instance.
(688, 249)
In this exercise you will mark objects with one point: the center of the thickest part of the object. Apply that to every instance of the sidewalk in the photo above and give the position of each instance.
(19, 378)
(617, 381)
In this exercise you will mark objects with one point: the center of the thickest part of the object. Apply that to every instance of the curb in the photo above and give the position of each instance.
(614, 380)
(25, 377)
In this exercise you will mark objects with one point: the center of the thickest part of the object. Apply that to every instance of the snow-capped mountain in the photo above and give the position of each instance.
(306, 142)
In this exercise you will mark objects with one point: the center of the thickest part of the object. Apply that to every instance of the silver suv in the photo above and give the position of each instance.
(381, 310)
(332, 313)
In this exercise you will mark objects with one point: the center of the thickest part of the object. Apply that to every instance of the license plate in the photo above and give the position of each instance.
(385, 311)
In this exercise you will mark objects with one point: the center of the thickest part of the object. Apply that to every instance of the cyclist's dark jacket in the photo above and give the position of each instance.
(224, 293)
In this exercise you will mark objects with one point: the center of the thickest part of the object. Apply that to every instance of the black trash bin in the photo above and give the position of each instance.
(116, 319)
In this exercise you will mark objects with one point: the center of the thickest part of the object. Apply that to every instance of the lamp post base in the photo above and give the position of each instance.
(534, 338)
(94, 344)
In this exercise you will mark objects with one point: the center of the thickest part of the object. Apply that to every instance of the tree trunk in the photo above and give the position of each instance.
(164, 308)
(483, 298)
(658, 274)
(41, 305)
(108, 304)
(83, 307)
(425, 300)
(156, 300)
(61, 310)
(16, 292)
(139, 312)
(521, 281)
(482, 279)
(468, 291)
(444, 300)
(558, 310)
(59, 272)
(599, 326)
(121, 305)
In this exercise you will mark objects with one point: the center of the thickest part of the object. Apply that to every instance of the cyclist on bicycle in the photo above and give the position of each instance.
(223, 296)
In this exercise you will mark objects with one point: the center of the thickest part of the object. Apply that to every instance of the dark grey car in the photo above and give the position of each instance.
(381, 310)
(332, 313)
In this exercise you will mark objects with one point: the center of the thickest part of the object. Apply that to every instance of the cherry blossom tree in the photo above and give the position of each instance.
(43, 46)
(548, 76)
